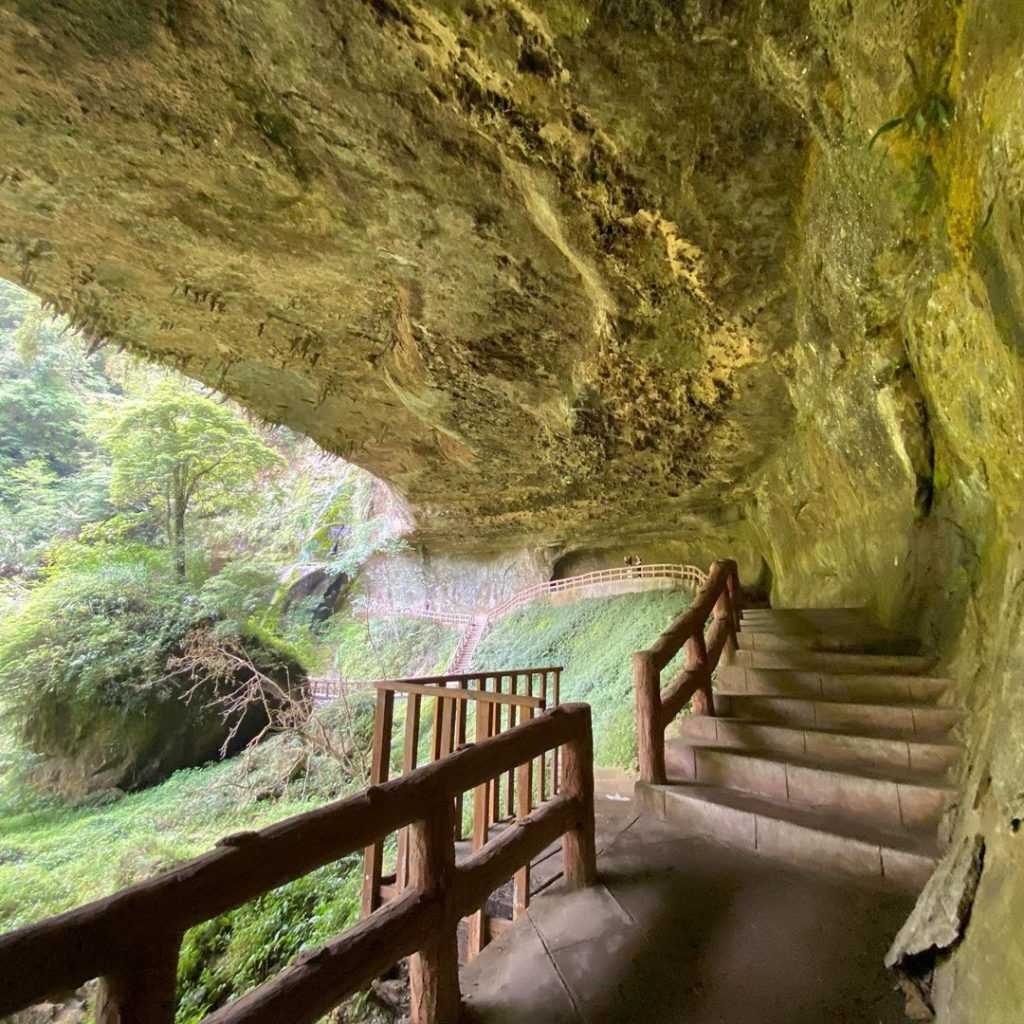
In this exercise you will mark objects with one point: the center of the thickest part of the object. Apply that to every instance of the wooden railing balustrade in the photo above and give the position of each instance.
(484, 705)
(131, 940)
(718, 600)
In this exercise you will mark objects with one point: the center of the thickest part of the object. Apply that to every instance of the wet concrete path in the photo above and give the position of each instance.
(682, 929)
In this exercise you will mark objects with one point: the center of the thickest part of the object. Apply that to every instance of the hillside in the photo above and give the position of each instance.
(593, 639)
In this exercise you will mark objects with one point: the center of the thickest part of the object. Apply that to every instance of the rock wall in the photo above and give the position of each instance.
(900, 486)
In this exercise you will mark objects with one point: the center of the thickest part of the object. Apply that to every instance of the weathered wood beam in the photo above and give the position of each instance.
(650, 732)
(434, 970)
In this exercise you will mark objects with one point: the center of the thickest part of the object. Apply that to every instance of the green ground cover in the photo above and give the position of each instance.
(593, 639)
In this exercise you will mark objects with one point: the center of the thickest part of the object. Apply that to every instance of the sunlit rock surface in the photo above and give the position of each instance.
(585, 273)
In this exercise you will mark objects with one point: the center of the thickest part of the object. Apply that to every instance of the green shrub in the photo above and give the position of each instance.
(112, 669)
(94, 635)
(223, 958)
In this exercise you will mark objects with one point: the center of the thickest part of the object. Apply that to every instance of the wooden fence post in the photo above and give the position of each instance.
(579, 852)
(144, 991)
(697, 661)
(434, 971)
(373, 858)
(650, 736)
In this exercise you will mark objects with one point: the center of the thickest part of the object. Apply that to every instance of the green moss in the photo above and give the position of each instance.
(594, 640)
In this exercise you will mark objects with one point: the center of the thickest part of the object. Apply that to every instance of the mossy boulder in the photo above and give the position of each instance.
(113, 674)
(153, 729)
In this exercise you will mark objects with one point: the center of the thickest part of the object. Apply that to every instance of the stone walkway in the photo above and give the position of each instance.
(682, 929)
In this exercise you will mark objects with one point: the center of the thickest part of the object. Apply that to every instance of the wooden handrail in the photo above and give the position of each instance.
(447, 693)
(131, 939)
(718, 599)
(498, 700)
(325, 689)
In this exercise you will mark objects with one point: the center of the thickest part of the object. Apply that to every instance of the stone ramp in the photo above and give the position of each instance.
(683, 929)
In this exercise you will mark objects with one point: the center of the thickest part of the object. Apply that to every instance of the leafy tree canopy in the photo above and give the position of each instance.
(180, 454)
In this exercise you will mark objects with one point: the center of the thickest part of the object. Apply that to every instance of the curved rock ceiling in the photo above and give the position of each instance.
(525, 262)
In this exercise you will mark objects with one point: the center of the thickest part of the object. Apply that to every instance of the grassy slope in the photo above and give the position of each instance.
(53, 857)
(594, 639)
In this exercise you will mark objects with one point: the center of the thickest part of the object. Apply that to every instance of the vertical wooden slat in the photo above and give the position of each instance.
(524, 804)
(510, 788)
(144, 991)
(434, 971)
(543, 766)
(495, 808)
(447, 725)
(477, 924)
(460, 741)
(410, 755)
(436, 735)
(556, 700)
(374, 856)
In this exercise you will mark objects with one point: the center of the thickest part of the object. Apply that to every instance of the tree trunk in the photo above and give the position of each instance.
(178, 538)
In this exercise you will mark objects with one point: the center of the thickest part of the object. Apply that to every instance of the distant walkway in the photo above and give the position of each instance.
(475, 624)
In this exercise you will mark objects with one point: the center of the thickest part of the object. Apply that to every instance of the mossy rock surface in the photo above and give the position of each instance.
(146, 730)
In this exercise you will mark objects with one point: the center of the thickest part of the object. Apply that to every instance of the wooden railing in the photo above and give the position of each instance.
(131, 939)
(486, 705)
(717, 600)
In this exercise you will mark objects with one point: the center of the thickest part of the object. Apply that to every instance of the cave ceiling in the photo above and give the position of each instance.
(527, 262)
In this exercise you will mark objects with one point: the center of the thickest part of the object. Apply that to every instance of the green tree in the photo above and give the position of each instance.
(183, 456)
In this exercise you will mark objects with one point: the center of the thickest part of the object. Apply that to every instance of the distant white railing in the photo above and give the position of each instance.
(475, 624)
(664, 570)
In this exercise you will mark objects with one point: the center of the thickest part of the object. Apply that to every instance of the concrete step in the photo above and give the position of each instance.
(845, 643)
(837, 748)
(783, 830)
(892, 799)
(828, 661)
(850, 687)
(923, 721)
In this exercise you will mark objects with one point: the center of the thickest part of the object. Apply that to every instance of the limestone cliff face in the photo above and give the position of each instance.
(525, 263)
(575, 272)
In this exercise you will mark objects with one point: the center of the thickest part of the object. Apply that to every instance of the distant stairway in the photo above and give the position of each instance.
(471, 637)
(829, 748)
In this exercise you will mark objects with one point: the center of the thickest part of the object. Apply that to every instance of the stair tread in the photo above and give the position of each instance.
(900, 776)
(873, 677)
(928, 722)
(840, 658)
(921, 843)
(903, 705)
(845, 731)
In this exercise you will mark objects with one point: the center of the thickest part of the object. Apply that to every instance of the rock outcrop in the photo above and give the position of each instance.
(146, 730)
(741, 276)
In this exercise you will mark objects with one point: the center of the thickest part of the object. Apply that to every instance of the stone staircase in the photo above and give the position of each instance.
(831, 748)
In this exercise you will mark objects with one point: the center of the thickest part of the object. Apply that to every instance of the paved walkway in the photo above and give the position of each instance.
(685, 930)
